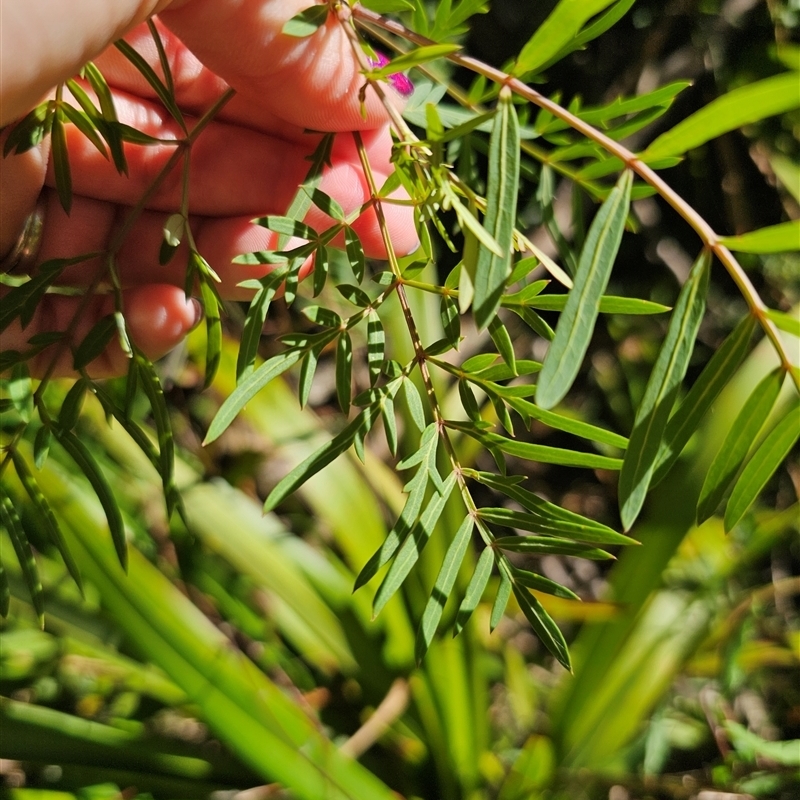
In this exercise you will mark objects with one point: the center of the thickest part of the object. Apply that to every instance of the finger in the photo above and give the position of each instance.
(44, 43)
(157, 319)
(21, 180)
(234, 170)
(312, 82)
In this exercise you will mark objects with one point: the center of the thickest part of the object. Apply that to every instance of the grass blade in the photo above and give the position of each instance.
(442, 587)
(492, 270)
(659, 395)
(576, 324)
(769, 456)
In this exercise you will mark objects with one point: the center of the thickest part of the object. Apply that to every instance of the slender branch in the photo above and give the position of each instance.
(630, 160)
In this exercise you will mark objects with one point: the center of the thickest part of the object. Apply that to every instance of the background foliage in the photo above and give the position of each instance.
(234, 654)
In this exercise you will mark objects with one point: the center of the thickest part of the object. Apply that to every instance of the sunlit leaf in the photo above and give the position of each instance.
(500, 600)
(475, 589)
(741, 106)
(344, 371)
(716, 374)
(543, 626)
(661, 390)
(762, 465)
(547, 545)
(739, 440)
(774, 239)
(442, 587)
(558, 30)
(322, 457)
(492, 269)
(307, 22)
(552, 518)
(539, 583)
(83, 459)
(576, 323)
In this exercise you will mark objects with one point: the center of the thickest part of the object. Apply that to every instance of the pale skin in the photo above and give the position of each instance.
(247, 163)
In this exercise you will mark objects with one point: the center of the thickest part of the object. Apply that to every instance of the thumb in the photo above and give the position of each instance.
(312, 82)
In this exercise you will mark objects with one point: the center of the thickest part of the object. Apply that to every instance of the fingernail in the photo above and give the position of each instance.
(197, 309)
(401, 83)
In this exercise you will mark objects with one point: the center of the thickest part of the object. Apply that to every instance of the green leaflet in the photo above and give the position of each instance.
(501, 598)
(9, 519)
(344, 371)
(255, 381)
(165, 95)
(492, 270)
(539, 583)
(376, 346)
(414, 58)
(774, 239)
(46, 519)
(537, 521)
(475, 589)
(543, 626)
(95, 342)
(502, 340)
(734, 449)
(786, 322)
(659, 395)
(559, 520)
(78, 452)
(307, 22)
(211, 311)
(408, 516)
(576, 323)
(537, 452)
(769, 456)
(166, 445)
(609, 304)
(254, 321)
(744, 105)
(321, 458)
(560, 422)
(719, 370)
(60, 156)
(445, 581)
(413, 545)
(557, 31)
(544, 545)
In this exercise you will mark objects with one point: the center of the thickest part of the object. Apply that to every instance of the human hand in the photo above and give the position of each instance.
(246, 163)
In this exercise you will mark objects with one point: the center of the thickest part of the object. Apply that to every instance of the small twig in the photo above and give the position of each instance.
(391, 708)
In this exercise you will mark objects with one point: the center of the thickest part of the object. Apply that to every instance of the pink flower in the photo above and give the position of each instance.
(400, 82)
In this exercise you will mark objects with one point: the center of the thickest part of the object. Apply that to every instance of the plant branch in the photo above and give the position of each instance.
(630, 160)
